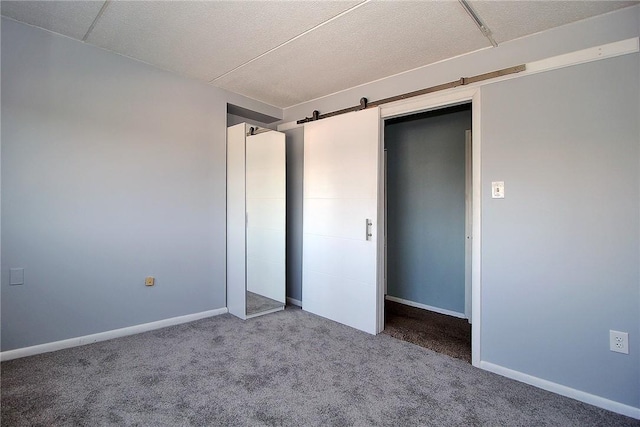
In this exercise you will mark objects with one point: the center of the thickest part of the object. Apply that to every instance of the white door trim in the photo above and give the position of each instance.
(381, 226)
(429, 102)
(468, 223)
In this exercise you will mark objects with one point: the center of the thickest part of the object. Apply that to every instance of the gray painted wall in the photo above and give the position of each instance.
(560, 252)
(547, 311)
(426, 209)
(295, 163)
(111, 171)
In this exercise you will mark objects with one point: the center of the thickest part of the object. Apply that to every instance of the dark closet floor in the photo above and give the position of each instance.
(438, 332)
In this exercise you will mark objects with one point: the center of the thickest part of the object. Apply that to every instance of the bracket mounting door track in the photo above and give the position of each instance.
(364, 103)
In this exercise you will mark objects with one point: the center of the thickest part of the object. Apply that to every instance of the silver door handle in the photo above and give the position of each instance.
(369, 223)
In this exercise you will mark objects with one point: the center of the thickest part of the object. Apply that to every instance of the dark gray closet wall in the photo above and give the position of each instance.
(426, 207)
(295, 163)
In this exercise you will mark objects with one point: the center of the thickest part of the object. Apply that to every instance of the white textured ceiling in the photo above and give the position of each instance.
(510, 20)
(205, 39)
(377, 40)
(71, 18)
(287, 52)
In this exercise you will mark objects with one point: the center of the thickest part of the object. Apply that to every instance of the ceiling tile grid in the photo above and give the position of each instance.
(204, 40)
(70, 18)
(377, 40)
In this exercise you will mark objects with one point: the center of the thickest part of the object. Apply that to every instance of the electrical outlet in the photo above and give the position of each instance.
(619, 342)
(149, 281)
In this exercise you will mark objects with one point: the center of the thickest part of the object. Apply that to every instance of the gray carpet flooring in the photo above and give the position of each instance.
(257, 303)
(289, 368)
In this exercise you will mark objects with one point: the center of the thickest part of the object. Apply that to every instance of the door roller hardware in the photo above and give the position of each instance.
(369, 223)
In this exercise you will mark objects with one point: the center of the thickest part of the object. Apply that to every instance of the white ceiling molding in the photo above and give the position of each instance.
(444, 98)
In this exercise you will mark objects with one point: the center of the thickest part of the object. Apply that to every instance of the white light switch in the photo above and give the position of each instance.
(16, 276)
(497, 189)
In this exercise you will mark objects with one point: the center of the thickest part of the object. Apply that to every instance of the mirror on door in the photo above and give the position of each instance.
(256, 232)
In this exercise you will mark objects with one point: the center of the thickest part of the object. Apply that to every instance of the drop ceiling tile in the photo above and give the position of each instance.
(376, 40)
(204, 40)
(71, 18)
(509, 20)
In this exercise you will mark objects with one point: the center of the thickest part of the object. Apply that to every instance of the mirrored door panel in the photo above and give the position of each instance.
(266, 215)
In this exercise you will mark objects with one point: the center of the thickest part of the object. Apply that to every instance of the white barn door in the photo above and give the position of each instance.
(340, 219)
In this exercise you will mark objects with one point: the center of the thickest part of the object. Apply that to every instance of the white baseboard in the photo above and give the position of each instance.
(600, 402)
(426, 307)
(294, 302)
(107, 335)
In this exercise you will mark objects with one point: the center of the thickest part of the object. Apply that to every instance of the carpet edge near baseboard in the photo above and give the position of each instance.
(107, 335)
(582, 396)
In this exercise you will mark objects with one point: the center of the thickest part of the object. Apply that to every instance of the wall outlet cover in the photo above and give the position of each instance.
(16, 276)
(149, 281)
(619, 342)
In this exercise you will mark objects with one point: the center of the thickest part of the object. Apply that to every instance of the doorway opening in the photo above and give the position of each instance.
(428, 218)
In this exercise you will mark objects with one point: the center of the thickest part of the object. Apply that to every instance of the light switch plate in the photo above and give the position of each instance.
(16, 276)
(497, 190)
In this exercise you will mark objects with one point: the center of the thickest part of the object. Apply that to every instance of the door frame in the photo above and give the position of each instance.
(468, 220)
(417, 105)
